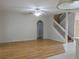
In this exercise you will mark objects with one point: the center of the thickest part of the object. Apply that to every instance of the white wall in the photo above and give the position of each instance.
(76, 34)
(76, 28)
(19, 27)
(1, 26)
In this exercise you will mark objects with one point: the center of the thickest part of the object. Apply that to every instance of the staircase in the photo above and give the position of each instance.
(60, 19)
(59, 24)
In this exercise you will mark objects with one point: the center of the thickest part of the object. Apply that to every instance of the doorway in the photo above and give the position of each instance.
(40, 30)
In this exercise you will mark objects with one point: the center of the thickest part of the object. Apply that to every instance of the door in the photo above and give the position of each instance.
(39, 29)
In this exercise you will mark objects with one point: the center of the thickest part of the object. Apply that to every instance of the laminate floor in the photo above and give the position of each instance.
(34, 49)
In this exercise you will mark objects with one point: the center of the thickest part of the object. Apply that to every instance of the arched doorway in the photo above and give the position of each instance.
(40, 29)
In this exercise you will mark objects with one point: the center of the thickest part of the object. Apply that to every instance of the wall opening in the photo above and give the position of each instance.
(40, 30)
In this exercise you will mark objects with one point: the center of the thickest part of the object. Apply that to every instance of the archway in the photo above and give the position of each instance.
(40, 30)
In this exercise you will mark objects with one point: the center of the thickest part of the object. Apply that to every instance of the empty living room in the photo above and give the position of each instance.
(39, 29)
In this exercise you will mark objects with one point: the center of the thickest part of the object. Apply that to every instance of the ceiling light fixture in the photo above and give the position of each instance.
(68, 4)
(37, 12)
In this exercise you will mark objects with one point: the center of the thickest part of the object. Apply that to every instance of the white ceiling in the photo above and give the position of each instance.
(23, 5)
